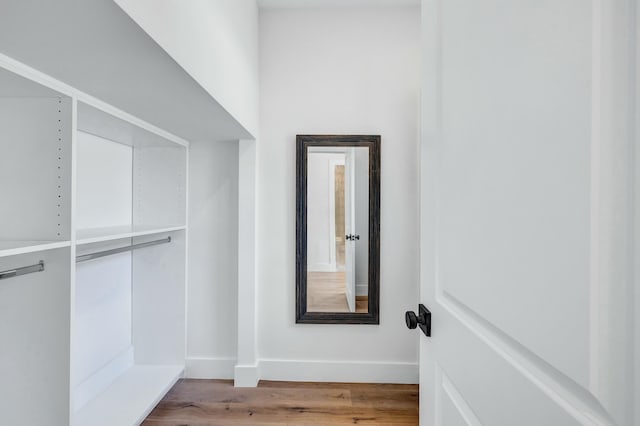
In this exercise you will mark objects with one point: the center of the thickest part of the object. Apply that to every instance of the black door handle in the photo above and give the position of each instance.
(423, 319)
(352, 237)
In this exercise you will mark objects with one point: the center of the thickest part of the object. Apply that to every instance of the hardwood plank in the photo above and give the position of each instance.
(223, 392)
(338, 385)
(244, 422)
(385, 399)
(216, 402)
(238, 413)
(362, 304)
(326, 292)
(152, 422)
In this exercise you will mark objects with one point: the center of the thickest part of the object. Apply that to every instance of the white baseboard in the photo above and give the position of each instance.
(339, 371)
(210, 368)
(362, 289)
(299, 371)
(246, 376)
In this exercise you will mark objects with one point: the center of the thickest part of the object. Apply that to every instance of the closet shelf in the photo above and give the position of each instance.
(130, 399)
(11, 248)
(97, 235)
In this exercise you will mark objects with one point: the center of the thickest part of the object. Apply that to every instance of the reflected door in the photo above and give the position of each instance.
(350, 229)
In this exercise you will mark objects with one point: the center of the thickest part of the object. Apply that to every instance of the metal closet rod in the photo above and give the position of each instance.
(85, 257)
(38, 267)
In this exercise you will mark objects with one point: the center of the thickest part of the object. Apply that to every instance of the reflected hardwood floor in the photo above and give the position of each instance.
(216, 402)
(362, 304)
(326, 293)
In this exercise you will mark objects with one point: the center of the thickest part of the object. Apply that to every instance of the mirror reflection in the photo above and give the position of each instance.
(337, 229)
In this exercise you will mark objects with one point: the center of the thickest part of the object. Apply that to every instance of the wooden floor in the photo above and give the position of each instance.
(216, 402)
(362, 304)
(326, 293)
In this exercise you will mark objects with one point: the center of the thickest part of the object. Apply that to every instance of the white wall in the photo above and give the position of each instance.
(319, 236)
(213, 259)
(215, 41)
(246, 368)
(349, 71)
(636, 215)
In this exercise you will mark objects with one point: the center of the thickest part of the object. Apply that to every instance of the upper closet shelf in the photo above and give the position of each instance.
(131, 180)
(97, 235)
(12, 248)
(103, 120)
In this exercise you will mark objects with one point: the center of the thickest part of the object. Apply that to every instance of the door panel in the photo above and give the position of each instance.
(526, 212)
(350, 226)
(492, 382)
(517, 114)
(453, 411)
(454, 408)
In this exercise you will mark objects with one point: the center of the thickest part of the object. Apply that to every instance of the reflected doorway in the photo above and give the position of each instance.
(337, 268)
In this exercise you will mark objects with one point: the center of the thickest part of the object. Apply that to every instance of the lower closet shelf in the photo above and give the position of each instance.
(128, 400)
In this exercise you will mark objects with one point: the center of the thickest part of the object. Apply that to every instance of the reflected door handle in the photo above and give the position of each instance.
(423, 319)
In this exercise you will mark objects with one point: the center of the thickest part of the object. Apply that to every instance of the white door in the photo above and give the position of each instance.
(350, 228)
(527, 215)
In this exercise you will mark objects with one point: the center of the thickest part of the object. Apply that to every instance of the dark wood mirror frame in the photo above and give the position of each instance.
(303, 142)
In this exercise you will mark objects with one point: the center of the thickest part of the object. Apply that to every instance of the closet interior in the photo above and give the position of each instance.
(93, 238)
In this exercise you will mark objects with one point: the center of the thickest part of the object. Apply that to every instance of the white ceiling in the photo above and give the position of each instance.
(277, 4)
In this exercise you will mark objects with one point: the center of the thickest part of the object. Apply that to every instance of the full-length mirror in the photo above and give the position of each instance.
(337, 230)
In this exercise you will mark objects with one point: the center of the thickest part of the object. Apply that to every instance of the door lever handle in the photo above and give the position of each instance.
(423, 319)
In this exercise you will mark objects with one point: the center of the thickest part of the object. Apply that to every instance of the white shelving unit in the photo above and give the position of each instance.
(35, 165)
(99, 341)
(35, 226)
(35, 314)
(130, 189)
